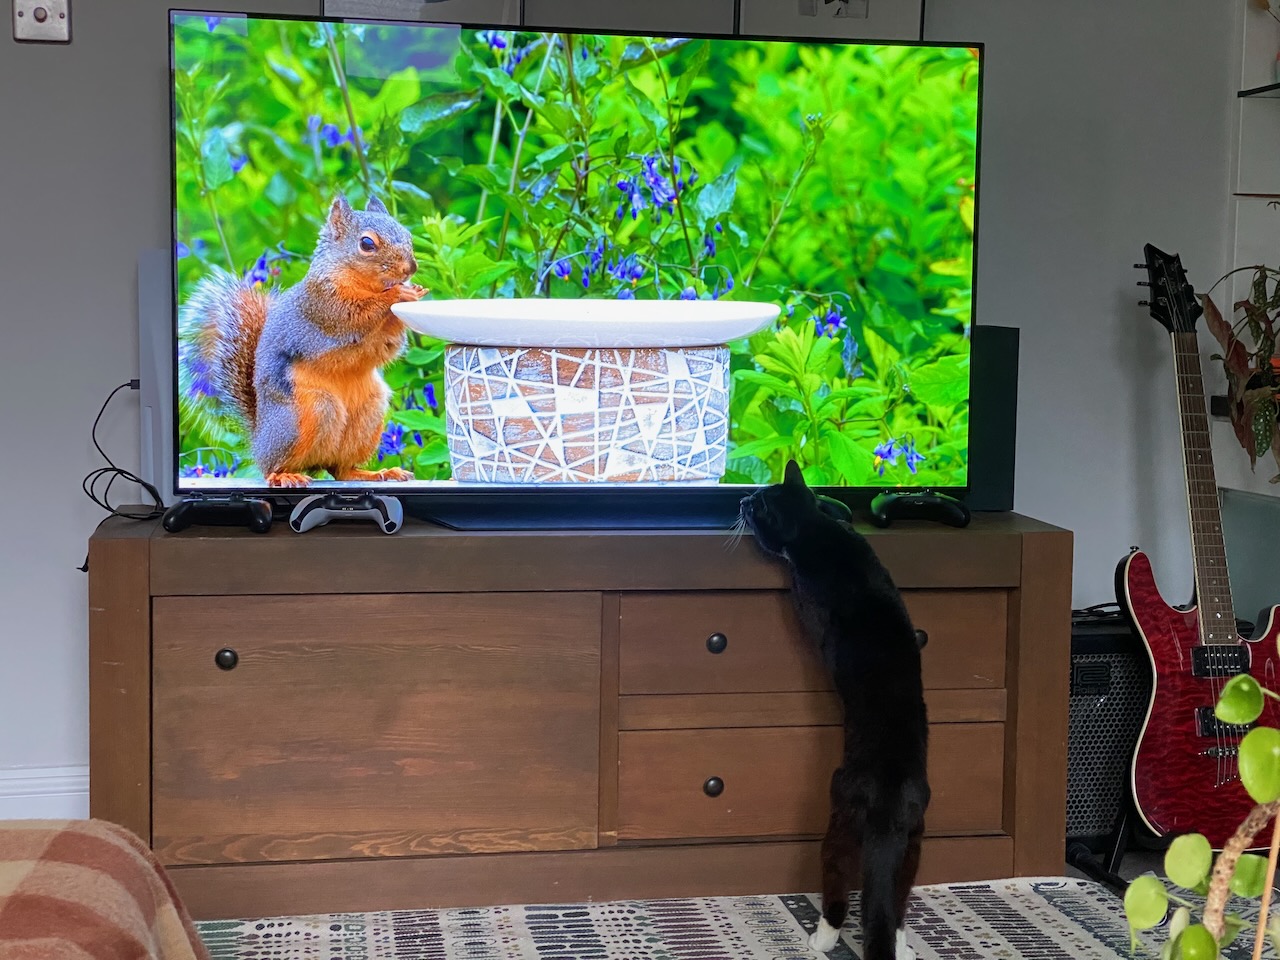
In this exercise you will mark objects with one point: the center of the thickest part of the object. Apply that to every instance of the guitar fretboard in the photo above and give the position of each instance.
(1208, 552)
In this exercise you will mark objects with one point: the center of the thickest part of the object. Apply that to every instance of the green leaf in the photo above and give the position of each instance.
(1145, 903)
(1188, 860)
(216, 159)
(1179, 922)
(1250, 876)
(1197, 943)
(433, 454)
(280, 191)
(754, 448)
(423, 357)
(716, 198)
(419, 420)
(692, 70)
(855, 463)
(769, 382)
(1260, 764)
(437, 110)
(1241, 700)
(883, 354)
(1232, 925)
(943, 383)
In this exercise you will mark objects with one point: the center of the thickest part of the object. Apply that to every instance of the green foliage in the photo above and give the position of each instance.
(1189, 861)
(835, 181)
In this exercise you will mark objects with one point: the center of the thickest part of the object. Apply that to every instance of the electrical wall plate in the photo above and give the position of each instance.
(42, 21)
(833, 19)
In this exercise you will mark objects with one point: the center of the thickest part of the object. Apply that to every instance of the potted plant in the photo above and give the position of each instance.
(1252, 364)
(1190, 863)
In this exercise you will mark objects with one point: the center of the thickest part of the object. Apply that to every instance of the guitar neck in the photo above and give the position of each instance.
(1208, 551)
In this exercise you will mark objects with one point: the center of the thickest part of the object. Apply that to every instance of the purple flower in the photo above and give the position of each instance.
(719, 229)
(664, 194)
(313, 122)
(513, 60)
(728, 284)
(181, 250)
(693, 178)
(392, 444)
(849, 355)
(626, 294)
(429, 392)
(913, 456)
(261, 271)
(688, 293)
(331, 136)
(595, 253)
(212, 22)
(627, 270)
(237, 163)
(709, 245)
(493, 38)
(562, 269)
(887, 454)
(586, 278)
(199, 246)
(831, 322)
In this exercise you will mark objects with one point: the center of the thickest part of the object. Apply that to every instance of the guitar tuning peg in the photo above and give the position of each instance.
(1139, 266)
(1144, 283)
(1144, 303)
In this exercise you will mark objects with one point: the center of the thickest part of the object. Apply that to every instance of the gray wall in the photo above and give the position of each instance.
(1104, 128)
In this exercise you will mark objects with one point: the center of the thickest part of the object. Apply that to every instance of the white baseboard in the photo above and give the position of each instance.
(44, 793)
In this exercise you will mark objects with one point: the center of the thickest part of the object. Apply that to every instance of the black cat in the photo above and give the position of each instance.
(849, 606)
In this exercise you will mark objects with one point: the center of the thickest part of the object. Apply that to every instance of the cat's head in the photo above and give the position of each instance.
(780, 514)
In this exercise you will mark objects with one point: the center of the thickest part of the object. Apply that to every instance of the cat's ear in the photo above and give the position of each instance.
(793, 477)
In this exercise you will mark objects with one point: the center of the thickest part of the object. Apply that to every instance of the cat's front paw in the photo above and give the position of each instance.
(825, 938)
(900, 949)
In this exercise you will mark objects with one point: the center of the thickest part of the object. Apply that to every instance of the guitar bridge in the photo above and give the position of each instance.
(1210, 660)
(1207, 725)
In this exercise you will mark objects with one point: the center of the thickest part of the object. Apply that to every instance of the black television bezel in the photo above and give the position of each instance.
(717, 498)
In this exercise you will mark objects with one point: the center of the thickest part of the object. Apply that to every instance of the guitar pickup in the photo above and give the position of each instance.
(1219, 660)
(1207, 725)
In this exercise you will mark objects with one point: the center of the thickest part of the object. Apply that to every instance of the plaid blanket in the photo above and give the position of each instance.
(87, 890)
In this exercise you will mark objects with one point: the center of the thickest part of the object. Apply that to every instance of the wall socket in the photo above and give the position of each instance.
(42, 21)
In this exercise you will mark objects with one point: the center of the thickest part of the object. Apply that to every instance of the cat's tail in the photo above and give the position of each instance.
(890, 858)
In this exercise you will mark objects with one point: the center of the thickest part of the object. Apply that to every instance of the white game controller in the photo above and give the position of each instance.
(320, 508)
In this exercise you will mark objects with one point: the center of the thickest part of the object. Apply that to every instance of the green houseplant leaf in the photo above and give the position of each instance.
(1188, 860)
(1241, 700)
(1145, 903)
(1250, 876)
(1260, 764)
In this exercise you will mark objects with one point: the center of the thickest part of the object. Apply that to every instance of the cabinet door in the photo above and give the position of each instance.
(362, 726)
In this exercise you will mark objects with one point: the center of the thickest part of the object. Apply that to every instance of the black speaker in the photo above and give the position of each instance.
(1110, 692)
(993, 416)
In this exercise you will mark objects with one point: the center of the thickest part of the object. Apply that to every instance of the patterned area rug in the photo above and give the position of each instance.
(1051, 919)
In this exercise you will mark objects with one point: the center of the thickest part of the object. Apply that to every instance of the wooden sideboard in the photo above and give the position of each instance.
(448, 719)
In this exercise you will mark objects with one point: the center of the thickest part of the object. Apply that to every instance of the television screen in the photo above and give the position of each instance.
(434, 255)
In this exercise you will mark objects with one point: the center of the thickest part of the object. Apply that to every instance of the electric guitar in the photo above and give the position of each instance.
(1186, 775)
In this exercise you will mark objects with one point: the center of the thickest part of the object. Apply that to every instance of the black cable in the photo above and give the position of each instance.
(112, 473)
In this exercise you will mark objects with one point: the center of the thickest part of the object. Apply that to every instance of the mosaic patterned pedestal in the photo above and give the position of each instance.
(587, 414)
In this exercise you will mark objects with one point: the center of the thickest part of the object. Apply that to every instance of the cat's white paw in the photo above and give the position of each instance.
(825, 938)
(900, 949)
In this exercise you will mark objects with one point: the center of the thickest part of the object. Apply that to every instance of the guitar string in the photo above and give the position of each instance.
(1208, 599)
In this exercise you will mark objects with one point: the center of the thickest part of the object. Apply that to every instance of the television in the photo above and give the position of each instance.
(608, 269)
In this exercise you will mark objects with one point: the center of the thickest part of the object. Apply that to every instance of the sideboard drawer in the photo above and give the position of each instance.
(367, 725)
(750, 642)
(775, 781)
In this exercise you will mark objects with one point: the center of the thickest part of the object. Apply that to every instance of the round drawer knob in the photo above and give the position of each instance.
(717, 642)
(713, 787)
(226, 658)
(922, 638)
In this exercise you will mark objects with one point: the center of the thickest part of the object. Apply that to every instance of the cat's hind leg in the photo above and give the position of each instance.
(891, 857)
(841, 851)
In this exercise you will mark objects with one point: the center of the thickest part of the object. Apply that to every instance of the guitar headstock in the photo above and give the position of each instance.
(1173, 301)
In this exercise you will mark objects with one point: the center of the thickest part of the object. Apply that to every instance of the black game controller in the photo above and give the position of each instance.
(235, 510)
(890, 506)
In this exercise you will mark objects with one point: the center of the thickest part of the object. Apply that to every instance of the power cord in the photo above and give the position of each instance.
(111, 473)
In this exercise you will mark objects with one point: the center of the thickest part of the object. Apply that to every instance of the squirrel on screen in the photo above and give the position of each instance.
(301, 367)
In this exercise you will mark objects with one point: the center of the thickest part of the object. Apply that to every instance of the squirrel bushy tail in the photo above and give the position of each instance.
(219, 326)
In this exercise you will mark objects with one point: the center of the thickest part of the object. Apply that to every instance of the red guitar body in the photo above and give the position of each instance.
(1186, 779)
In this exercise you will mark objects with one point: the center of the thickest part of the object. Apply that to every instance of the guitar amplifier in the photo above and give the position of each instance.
(1110, 691)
